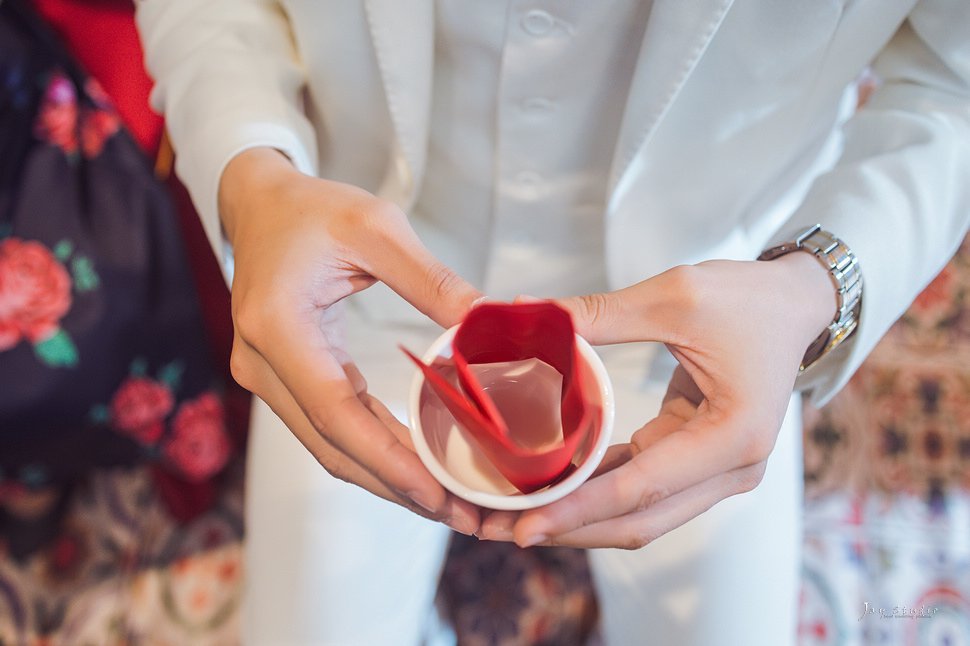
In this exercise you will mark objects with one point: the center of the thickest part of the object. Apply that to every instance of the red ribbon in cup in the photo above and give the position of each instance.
(500, 332)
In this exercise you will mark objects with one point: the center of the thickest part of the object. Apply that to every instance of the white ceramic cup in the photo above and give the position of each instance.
(455, 461)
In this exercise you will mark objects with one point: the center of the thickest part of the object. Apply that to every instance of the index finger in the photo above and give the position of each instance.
(301, 358)
(695, 453)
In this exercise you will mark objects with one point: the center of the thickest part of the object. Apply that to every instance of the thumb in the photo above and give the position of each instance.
(428, 284)
(635, 313)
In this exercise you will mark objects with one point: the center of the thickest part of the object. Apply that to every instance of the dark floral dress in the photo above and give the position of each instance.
(103, 356)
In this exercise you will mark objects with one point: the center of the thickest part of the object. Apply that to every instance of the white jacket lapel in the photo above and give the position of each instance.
(677, 34)
(676, 37)
(403, 36)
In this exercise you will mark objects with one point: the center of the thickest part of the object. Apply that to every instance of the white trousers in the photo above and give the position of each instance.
(329, 564)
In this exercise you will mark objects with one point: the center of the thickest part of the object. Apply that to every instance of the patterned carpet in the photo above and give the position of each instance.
(887, 474)
(886, 556)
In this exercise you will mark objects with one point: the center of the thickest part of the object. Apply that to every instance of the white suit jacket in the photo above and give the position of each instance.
(730, 112)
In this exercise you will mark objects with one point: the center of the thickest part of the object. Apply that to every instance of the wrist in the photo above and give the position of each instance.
(843, 268)
(245, 180)
(814, 295)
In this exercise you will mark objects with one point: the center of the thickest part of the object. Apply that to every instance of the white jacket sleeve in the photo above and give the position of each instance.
(900, 195)
(227, 78)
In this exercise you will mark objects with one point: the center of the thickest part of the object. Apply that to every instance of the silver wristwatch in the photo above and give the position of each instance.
(846, 275)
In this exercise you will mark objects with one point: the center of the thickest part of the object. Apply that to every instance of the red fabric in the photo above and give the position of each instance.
(102, 35)
(496, 332)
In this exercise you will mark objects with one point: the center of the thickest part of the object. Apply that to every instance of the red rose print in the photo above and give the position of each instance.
(97, 94)
(199, 445)
(100, 123)
(57, 120)
(35, 292)
(12, 490)
(96, 127)
(9, 335)
(139, 408)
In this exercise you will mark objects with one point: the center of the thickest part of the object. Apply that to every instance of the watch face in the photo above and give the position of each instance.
(818, 347)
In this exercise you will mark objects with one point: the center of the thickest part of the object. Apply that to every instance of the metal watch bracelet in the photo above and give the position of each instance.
(843, 267)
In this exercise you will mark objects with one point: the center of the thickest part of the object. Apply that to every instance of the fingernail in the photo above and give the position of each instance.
(535, 539)
(524, 298)
(455, 527)
(478, 301)
(494, 534)
(419, 499)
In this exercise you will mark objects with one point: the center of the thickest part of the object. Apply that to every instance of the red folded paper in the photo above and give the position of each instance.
(494, 333)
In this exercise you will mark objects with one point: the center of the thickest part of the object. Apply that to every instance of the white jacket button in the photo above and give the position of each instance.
(538, 23)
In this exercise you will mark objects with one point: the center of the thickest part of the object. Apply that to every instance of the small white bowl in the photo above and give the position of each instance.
(454, 460)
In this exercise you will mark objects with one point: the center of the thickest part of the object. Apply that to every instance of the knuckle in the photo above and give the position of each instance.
(753, 434)
(390, 452)
(649, 497)
(756, 445)
(687, 284)
(387, 209)
(751, 477)
(241, 370)
(442, 281)
(637, 537)
(248, 319)
(596, 309)
(334, 468)
(377, 213)
(319, 417)
(364, 215)
(646, 493)
(755, 450)
(325, 417)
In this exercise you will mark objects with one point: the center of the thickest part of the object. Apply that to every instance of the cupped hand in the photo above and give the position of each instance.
(302, 244)
(738, 331)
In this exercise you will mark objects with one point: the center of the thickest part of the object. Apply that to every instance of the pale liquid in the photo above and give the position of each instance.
(528, 395)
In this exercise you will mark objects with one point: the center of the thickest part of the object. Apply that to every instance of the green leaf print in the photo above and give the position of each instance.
(57, 351)
(138, 367)
(171, 374)
(63, 250)
(99, 414)
(85, 278)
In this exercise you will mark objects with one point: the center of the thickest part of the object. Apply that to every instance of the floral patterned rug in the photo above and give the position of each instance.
(886, 556)
(123, 571)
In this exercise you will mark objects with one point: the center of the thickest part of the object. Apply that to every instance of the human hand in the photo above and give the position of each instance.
(739, 331)
(302, 244)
